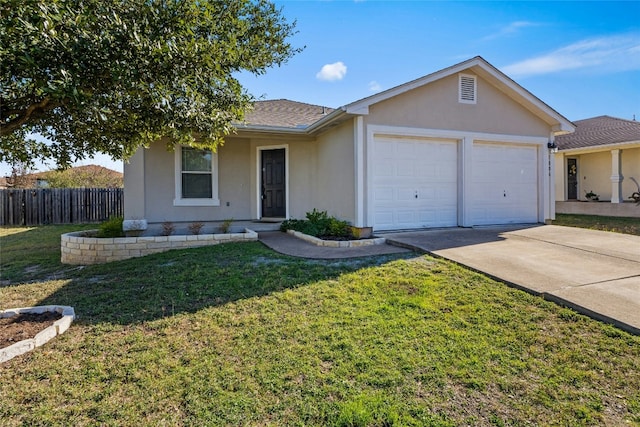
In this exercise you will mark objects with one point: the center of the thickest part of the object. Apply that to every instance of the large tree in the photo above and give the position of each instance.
(111, 75)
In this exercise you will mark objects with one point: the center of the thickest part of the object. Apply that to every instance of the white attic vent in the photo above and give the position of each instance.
(467, 89)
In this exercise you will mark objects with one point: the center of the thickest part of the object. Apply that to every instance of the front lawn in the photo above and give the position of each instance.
(604, 223)
(236, 334)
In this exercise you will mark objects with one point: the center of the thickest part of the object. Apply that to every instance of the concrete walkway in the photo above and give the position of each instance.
(595, 272)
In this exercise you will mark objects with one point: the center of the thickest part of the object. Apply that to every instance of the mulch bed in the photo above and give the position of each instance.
(24, 326)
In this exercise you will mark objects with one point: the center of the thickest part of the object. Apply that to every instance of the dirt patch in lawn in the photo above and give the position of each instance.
(24, 326)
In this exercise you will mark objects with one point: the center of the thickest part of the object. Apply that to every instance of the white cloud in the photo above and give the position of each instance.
(511, 28)
(332, 72)
(374, 86)
(609, 53)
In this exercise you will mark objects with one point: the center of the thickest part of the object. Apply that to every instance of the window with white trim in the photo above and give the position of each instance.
(467, 89)
(196, 177)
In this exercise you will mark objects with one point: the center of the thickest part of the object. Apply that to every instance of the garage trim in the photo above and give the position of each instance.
(465, 153)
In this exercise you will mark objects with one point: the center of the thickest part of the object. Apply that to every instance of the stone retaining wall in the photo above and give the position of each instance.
(78, 250)
(337, 243)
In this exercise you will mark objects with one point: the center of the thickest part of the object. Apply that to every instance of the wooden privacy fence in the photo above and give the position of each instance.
(59, 205)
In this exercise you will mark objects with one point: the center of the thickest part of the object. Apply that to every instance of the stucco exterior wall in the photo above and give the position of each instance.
(595, 169)
(301, 160)
(436, 106)
(134, 186)
(238, 181)
(630, 168)
(335, 183)
(159, 175)
(560, 171)
(594, 174)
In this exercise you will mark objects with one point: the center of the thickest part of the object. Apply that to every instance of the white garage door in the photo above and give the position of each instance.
(504, 184)
(414, 183)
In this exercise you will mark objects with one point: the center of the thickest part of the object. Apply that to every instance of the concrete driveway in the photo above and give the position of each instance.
(595, 272)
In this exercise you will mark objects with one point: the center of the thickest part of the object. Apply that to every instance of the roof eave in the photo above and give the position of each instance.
(330, 119)
(270, 129)
(599, 148)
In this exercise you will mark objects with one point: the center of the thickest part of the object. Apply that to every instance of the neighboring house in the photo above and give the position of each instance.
(601, 156)
(463, 146)
(88, 176)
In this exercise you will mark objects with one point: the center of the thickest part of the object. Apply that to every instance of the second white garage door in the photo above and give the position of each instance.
(504, 184)
(414, 183)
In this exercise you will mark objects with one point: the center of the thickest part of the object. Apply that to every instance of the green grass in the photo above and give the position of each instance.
(604, 223)
(236, 334)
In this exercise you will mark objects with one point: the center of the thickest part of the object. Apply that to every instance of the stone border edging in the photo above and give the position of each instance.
(78, 250)
(58, 327)
(337, 243)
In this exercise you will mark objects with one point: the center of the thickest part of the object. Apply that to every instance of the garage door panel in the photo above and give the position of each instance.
(504, 184)
(405, 194)
(422, 190)
(383, 194)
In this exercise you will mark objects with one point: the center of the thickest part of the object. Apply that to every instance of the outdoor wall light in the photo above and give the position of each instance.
(552, 146)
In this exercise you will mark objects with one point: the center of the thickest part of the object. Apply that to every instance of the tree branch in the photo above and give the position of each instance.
(30, 113)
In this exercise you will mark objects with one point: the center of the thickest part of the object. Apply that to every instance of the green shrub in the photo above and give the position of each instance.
(317, 217)
(111, 227)
(318, 224)
(339, 228)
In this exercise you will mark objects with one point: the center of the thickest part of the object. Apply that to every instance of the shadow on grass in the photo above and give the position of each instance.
(186, 281)
(28, 254)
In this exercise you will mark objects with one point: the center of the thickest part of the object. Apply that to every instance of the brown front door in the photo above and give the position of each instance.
(572, 179)
(273, 184)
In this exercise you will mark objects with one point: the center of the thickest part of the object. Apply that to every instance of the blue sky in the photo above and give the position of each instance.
(581, 58)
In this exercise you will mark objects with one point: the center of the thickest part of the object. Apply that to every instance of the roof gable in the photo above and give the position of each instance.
(600, 131)
(488, 72)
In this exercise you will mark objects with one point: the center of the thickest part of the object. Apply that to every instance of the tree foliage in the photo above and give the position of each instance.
(109, 76)
(91, 176)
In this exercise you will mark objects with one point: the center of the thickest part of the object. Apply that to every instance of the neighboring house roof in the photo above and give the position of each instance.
(600, 131)
(37, 178)
(285, 113)
(269, 116)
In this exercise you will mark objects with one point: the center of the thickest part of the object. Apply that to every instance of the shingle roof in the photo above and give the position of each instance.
(601, 130)
(285, 113)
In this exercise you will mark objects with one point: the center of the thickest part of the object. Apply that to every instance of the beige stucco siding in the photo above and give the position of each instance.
(630, 168)
(134, 186)
(595, 170)
(239, 180)
(335, 182)
(233, 186)
(436, 106)
(301, 169)
(594, 174)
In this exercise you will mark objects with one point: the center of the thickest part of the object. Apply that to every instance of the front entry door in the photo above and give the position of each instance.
(572, 179)
(273, 191)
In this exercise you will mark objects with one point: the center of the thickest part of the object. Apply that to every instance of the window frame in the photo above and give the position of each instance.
(214, 200)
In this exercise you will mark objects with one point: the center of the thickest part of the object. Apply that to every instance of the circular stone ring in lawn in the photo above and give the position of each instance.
(58, 317)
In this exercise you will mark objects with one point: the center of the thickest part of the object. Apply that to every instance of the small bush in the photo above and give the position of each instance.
(111, 228)
(319, 224)
(226, 225)
(339, 228)
(195, 227)
(317, 217)
(168, 228)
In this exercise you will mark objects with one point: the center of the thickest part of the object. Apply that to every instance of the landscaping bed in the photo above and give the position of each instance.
(80, 248)
(24, 326)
